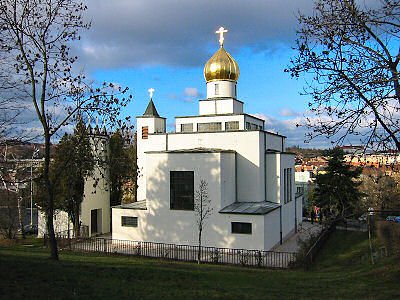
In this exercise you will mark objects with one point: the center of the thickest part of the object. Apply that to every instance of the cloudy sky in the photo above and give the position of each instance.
(164, 44)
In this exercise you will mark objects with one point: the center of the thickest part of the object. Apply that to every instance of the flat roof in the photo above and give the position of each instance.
(141, 205)
(250, 208)
(195, 150)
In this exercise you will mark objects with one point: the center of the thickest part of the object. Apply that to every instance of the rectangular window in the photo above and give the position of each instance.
(145, 132)
(233, 125)
(187, 127)
(240, 227)
(129, 221)
(213, 126)
(216, 91)
(251, 126)
(287, 185)
(182, 190)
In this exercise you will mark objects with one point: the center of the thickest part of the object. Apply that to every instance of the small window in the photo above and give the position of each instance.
(145, 132)
(129, 221)
(187, 127)
(216, 89)
(240, 227)
(233, 125)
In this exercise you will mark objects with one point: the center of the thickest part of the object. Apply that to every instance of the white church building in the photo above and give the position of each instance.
(250, 175)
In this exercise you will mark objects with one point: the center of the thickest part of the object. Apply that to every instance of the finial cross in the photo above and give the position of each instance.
(221, 32)
(151, 92)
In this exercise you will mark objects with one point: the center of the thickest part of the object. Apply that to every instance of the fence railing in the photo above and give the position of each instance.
(316, 247)
(187, 253)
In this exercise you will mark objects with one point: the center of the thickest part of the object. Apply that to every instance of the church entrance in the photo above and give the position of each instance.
(95, 221)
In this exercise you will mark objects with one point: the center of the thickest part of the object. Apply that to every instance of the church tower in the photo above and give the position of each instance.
(149, 123)
(221, 73)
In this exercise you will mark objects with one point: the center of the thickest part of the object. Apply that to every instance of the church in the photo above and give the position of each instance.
(249, 175)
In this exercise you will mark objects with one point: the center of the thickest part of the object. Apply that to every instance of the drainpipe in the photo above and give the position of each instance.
(280, 223)
(295, 213)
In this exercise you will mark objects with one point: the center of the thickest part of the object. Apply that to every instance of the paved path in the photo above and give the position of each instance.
(304, 232)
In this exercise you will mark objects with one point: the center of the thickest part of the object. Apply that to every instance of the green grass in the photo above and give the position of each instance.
(26, 272)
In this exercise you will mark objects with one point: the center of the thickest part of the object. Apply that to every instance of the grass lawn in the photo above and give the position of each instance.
(26, 272)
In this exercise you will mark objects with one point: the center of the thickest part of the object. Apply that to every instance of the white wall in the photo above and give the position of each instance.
(225, 89)
(247, 145)
(271, 229)
(273, 177)
(161, 224)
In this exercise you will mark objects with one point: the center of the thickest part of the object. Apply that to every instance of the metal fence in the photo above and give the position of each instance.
(187, 253)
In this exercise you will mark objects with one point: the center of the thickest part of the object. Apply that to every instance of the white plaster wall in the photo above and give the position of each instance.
(303, 177)
(96, 198)
(228, 179)
(238, 107)
(271, 229)
(247, 144)
(152, 143)
(161, 224)
(273, 177)
(220, 106)
(275, 142)
(288, 209)
(225, 89)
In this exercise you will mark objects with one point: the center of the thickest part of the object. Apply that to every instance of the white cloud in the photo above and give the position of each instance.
(191, 92)
(129, 33)
(287, 112)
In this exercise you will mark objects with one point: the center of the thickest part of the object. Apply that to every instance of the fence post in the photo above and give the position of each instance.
(104, 245)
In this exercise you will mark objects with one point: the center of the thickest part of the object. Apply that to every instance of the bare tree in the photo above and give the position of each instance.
(38, 35)
(348, 52)
(202, 209)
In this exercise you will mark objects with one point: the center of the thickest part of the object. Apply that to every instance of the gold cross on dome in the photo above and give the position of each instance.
(221, 32)
(151, 92)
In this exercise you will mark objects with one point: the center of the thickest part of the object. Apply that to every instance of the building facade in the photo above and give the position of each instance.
(249, 175)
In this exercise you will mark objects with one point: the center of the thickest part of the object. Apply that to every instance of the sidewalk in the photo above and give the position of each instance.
(304, 232)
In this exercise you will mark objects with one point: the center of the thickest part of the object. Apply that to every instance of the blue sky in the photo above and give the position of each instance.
(164, 44)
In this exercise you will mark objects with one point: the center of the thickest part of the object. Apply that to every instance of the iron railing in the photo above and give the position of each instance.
(187, 253)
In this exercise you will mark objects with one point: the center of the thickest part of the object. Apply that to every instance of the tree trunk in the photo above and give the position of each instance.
(20, 217)
(199, 250)
(50, 204)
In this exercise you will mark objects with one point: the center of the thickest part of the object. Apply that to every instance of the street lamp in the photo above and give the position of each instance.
(35, 152)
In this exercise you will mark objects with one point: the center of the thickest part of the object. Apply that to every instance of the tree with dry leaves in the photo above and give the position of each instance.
(36, 37)
(348, 52)
(202, 210)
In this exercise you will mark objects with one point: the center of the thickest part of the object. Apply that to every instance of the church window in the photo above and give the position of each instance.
(233, 125)
(240, 227)
(187, 127)
(287, 185)
(145, 132)
(213, 126)
(182, 190)
(216, 89)
(129, 221)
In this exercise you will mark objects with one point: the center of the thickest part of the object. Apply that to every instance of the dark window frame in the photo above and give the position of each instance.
(241, 228)
(133, 221)
(181, 190)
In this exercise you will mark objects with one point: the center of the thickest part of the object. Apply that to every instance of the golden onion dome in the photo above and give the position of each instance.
(221, 66)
